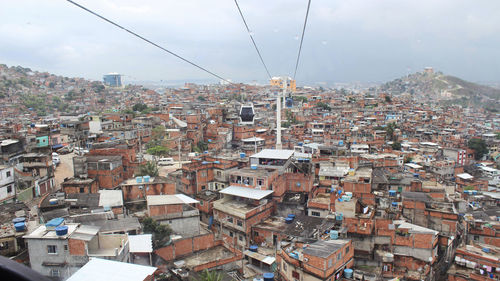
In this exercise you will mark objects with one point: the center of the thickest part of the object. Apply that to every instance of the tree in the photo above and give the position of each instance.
(148, 169)
(479, 146)
(158, 150)
(388, 99)
(139, 107)
(160, 232)
(408, 159)
(210, 276)
(396, 145)
(323, 106)
(200, 98)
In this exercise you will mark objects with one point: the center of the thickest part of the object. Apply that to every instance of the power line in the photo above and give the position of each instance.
(302, 39)
(251, 37)
(149, 41)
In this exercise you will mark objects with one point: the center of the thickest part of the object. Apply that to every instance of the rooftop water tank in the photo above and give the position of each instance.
(268, 276)
(20, 219)
(20, 226)
(348, 194)
(138, 179)
(292, 216)
(339, 216)
(334, 234)
(62, 230)
(53, 223)
(348, 273)
(53, 201)
(394, 204)
(146, 178)
(242, 155)
(253, 248)
(392, 192)
(253, 167)
(217, 162)
(288, 220)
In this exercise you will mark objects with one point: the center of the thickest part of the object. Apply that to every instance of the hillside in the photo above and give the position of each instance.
(443, 88)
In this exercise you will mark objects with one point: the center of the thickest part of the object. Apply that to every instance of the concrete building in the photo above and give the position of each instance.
(321, 260)
(176, 211)
(58, 250)
(7, 183)
(112, 80)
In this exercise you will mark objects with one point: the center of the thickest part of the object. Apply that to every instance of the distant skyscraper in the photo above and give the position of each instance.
(112, 79)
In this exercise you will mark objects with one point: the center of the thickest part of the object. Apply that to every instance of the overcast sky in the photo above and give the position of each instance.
(345, 41)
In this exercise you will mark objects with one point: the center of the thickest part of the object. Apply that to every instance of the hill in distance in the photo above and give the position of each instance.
(443, 88)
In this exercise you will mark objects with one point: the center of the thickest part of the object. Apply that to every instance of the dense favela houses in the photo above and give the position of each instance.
(167, 182)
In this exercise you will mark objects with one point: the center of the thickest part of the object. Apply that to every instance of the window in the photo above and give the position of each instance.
(9, 189)
(255, 233)
(316, 214)
(82, 189)
(230, 220)
(284, 266)
(8, 174)
(330, 263)
(203, 174)
(55, 272)
(260, 182)
(241, 238)
(201, 203)
(239, 223)
(296, 275)
(52, 249)
(347, 250)
(231, 233)
(219, 174)
(203, 187)
(339, 256)
(65, 247)
(4, 245)
(476, 238)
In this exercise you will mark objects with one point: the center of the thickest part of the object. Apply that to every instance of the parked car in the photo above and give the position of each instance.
(80, 150)
(55, 158)
(65, 150)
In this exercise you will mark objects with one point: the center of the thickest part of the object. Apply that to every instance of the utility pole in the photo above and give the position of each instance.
(278, 113)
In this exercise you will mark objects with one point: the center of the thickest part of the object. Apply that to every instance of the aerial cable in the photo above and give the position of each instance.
(302, 39)
(251, 37)
(149, 41)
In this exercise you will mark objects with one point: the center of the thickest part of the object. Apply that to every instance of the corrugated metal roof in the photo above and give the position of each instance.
(465, 176)
(170, 199)
(246, 192)
(274, 154)
(101, 269)
(140, 243)
(110, 198)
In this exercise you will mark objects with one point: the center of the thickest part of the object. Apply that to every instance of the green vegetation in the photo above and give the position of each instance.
(210, 276)
(388, 99)
(396, 145)
(323, 106)
(148, 169)
(479, 146)
(161, 232)
(469, 187)
(300, 99)
(200, 147)
(201, 98)
(408, 159)
(158, 150)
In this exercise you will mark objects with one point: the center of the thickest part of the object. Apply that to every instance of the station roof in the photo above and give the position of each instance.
(246, 192)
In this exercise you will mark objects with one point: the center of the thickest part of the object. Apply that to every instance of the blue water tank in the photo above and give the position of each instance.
(20, 219)
(253, 167)
(394, 204)
(20, 226)
(288, 220)
(339, 191)
(348, 273)
(210, 221)
(242, 155)
(300, 143)
(146, 178)
(292, 216)
(268, 276)
(486, 250)
(62, 230)
(339, 217)
(206, 152)
(54, 222)
(334, 234)
(217, 162)
(253, 248)
(392, 192)
(204, 163)
(138, 179)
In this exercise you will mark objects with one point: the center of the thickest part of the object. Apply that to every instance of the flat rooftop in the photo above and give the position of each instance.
(281, 154)
(246, 192)
(42, 233)
(213, 254)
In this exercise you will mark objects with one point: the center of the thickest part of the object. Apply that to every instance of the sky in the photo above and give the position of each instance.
(345, 41)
